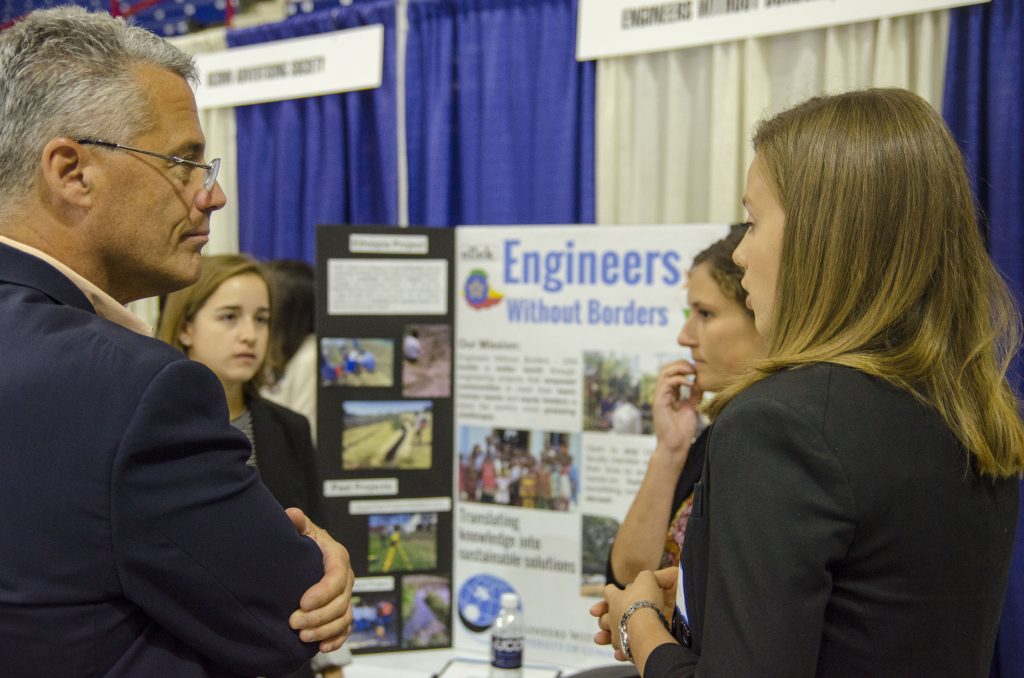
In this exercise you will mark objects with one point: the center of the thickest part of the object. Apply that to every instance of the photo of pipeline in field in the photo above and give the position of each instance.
(392, 434)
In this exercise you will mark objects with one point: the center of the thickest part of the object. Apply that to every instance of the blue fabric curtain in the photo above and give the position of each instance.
(500, 116)
(329, 159)
(984, 106)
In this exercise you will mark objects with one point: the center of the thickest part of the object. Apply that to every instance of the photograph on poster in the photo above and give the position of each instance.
(617, 391)
(387, 434)
(357, 362)
(531, 469)
(598, 533)
(427, 361)
(401, 542)
(426, 609)
(374, 621)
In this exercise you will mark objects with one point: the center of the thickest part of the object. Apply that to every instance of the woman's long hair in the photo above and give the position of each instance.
(883, 267)
(181, 307)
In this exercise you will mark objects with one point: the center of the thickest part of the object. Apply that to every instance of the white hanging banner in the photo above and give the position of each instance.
(607, 28)
(327, 63)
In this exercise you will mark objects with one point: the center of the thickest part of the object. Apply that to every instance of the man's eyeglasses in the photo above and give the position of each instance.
(211, 170)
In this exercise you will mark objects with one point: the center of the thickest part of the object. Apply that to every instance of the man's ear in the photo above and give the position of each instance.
(69, 171)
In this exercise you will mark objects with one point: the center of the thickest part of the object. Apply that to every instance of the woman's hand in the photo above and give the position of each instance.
(675, 419)
(658, 587)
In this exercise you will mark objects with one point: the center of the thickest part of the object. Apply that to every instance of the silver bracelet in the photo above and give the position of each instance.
(623, 637)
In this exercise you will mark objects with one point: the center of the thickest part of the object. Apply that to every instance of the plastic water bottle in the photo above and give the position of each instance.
(507, 639)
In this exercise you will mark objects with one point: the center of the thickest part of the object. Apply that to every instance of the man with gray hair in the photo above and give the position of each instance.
(136, 542)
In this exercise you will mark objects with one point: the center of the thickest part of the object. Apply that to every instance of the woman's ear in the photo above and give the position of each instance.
(185, 336)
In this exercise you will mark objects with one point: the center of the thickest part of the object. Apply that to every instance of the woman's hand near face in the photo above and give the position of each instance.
(638, 544)
(675, 418)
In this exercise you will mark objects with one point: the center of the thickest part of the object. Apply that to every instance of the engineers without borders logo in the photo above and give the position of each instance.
(478, 292)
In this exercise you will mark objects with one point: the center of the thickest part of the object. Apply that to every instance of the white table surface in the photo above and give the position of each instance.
(413, 664)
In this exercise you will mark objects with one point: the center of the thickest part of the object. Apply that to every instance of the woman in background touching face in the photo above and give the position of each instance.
(719, 331)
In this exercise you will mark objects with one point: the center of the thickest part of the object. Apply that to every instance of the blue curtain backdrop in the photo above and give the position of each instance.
(500, 116)
(328, 159)
(984, 106)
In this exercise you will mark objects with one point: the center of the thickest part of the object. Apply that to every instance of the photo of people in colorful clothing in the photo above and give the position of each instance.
(530, 469)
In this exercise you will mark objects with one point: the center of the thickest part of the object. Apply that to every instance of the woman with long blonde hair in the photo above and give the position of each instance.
(859, 500)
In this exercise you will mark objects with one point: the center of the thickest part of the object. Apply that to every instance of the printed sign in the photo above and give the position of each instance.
(328, 63)
(608, 28)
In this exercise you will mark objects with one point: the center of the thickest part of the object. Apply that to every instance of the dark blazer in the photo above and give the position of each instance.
(286, 457)
(135, 540)
(838, 531)
(286, 460)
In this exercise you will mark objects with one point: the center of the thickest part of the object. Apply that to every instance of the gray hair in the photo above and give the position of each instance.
(66, 72)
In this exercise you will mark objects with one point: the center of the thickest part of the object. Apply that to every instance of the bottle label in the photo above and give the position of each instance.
(507, 653)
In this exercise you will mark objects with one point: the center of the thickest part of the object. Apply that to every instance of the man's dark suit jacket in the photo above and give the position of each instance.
(135, 540)
(286, 459)
(837, 531)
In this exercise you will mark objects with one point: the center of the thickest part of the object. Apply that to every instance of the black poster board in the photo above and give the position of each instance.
(385, 334)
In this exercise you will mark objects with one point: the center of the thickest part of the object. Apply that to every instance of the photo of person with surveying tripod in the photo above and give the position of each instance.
(402, 542)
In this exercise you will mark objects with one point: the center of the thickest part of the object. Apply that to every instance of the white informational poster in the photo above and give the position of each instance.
(559, 335)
